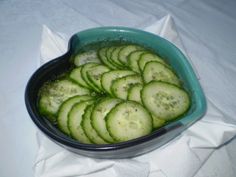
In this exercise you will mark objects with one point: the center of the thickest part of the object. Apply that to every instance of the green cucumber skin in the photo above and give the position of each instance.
(136, 106)
(84, 70)
(148, 56)
(108, 55)
(157, 123)
(123, 55)
(118, 82)
(102, 69)
(103, 58)
(88, 128)
(168, 75)
(115, 56)
(132, 94)
(65, 109)
(77, 132)
(86, 57)
(169, 118)
(54, 93)
(98, 117)
(95, 88)
(133, 62)
(75, 77)
(118, 74)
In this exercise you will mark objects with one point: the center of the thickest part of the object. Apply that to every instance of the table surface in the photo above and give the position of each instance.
(207, 29)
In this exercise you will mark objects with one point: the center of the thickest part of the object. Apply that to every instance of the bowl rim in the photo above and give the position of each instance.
(197, 114)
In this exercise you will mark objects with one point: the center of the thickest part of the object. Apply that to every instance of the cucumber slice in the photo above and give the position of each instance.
(159, 72)
(124, 52)
(164, 100)
(134, 93)
(99, 113)
(157, 123)
(108, 55)
(88, 129)
(147, 57)
(121, 86)
(74, 122)
(128, 120)
(76, 76)
(109, 77)
(85, 68)
(86, 57)
(64, 110)
(109, 51)
(95, 74)
(54, 93)
(115, 56)
(133, 58)
(103, 57)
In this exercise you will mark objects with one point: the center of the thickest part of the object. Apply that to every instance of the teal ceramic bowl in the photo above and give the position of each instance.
(133, 147)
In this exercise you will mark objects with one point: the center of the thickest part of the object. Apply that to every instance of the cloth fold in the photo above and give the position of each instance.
(181, 157)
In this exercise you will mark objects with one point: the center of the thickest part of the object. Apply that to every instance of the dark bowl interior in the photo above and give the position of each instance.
(165, 49)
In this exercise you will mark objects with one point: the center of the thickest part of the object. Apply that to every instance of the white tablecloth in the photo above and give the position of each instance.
(207, 30)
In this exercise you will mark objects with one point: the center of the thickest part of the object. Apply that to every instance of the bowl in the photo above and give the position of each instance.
(131, 148)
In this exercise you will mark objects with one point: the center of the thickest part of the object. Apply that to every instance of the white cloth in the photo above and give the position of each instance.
(182, 157)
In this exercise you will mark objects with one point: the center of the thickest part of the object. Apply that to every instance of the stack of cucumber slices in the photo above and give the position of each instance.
(114, 94)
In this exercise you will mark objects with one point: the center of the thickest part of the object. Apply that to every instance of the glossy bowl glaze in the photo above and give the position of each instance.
(133, 147)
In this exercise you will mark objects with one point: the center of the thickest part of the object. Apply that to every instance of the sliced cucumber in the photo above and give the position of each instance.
(103, 57)
(124, 52)
(121, 86)
(164, 100)
(133, 58)
(99, 113)
(128, 120)
(52, 95)
(86, 57)
(159, 72)
(115, 56)
(138, 92)
(74, 121)
(88, 129)
(134, 93)
(108, 55)
(87, 67)
(76, 76)
(109, 77)
(64, 110)
(109, 51)
(147, 57)
(95, 74)
(157, 123)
